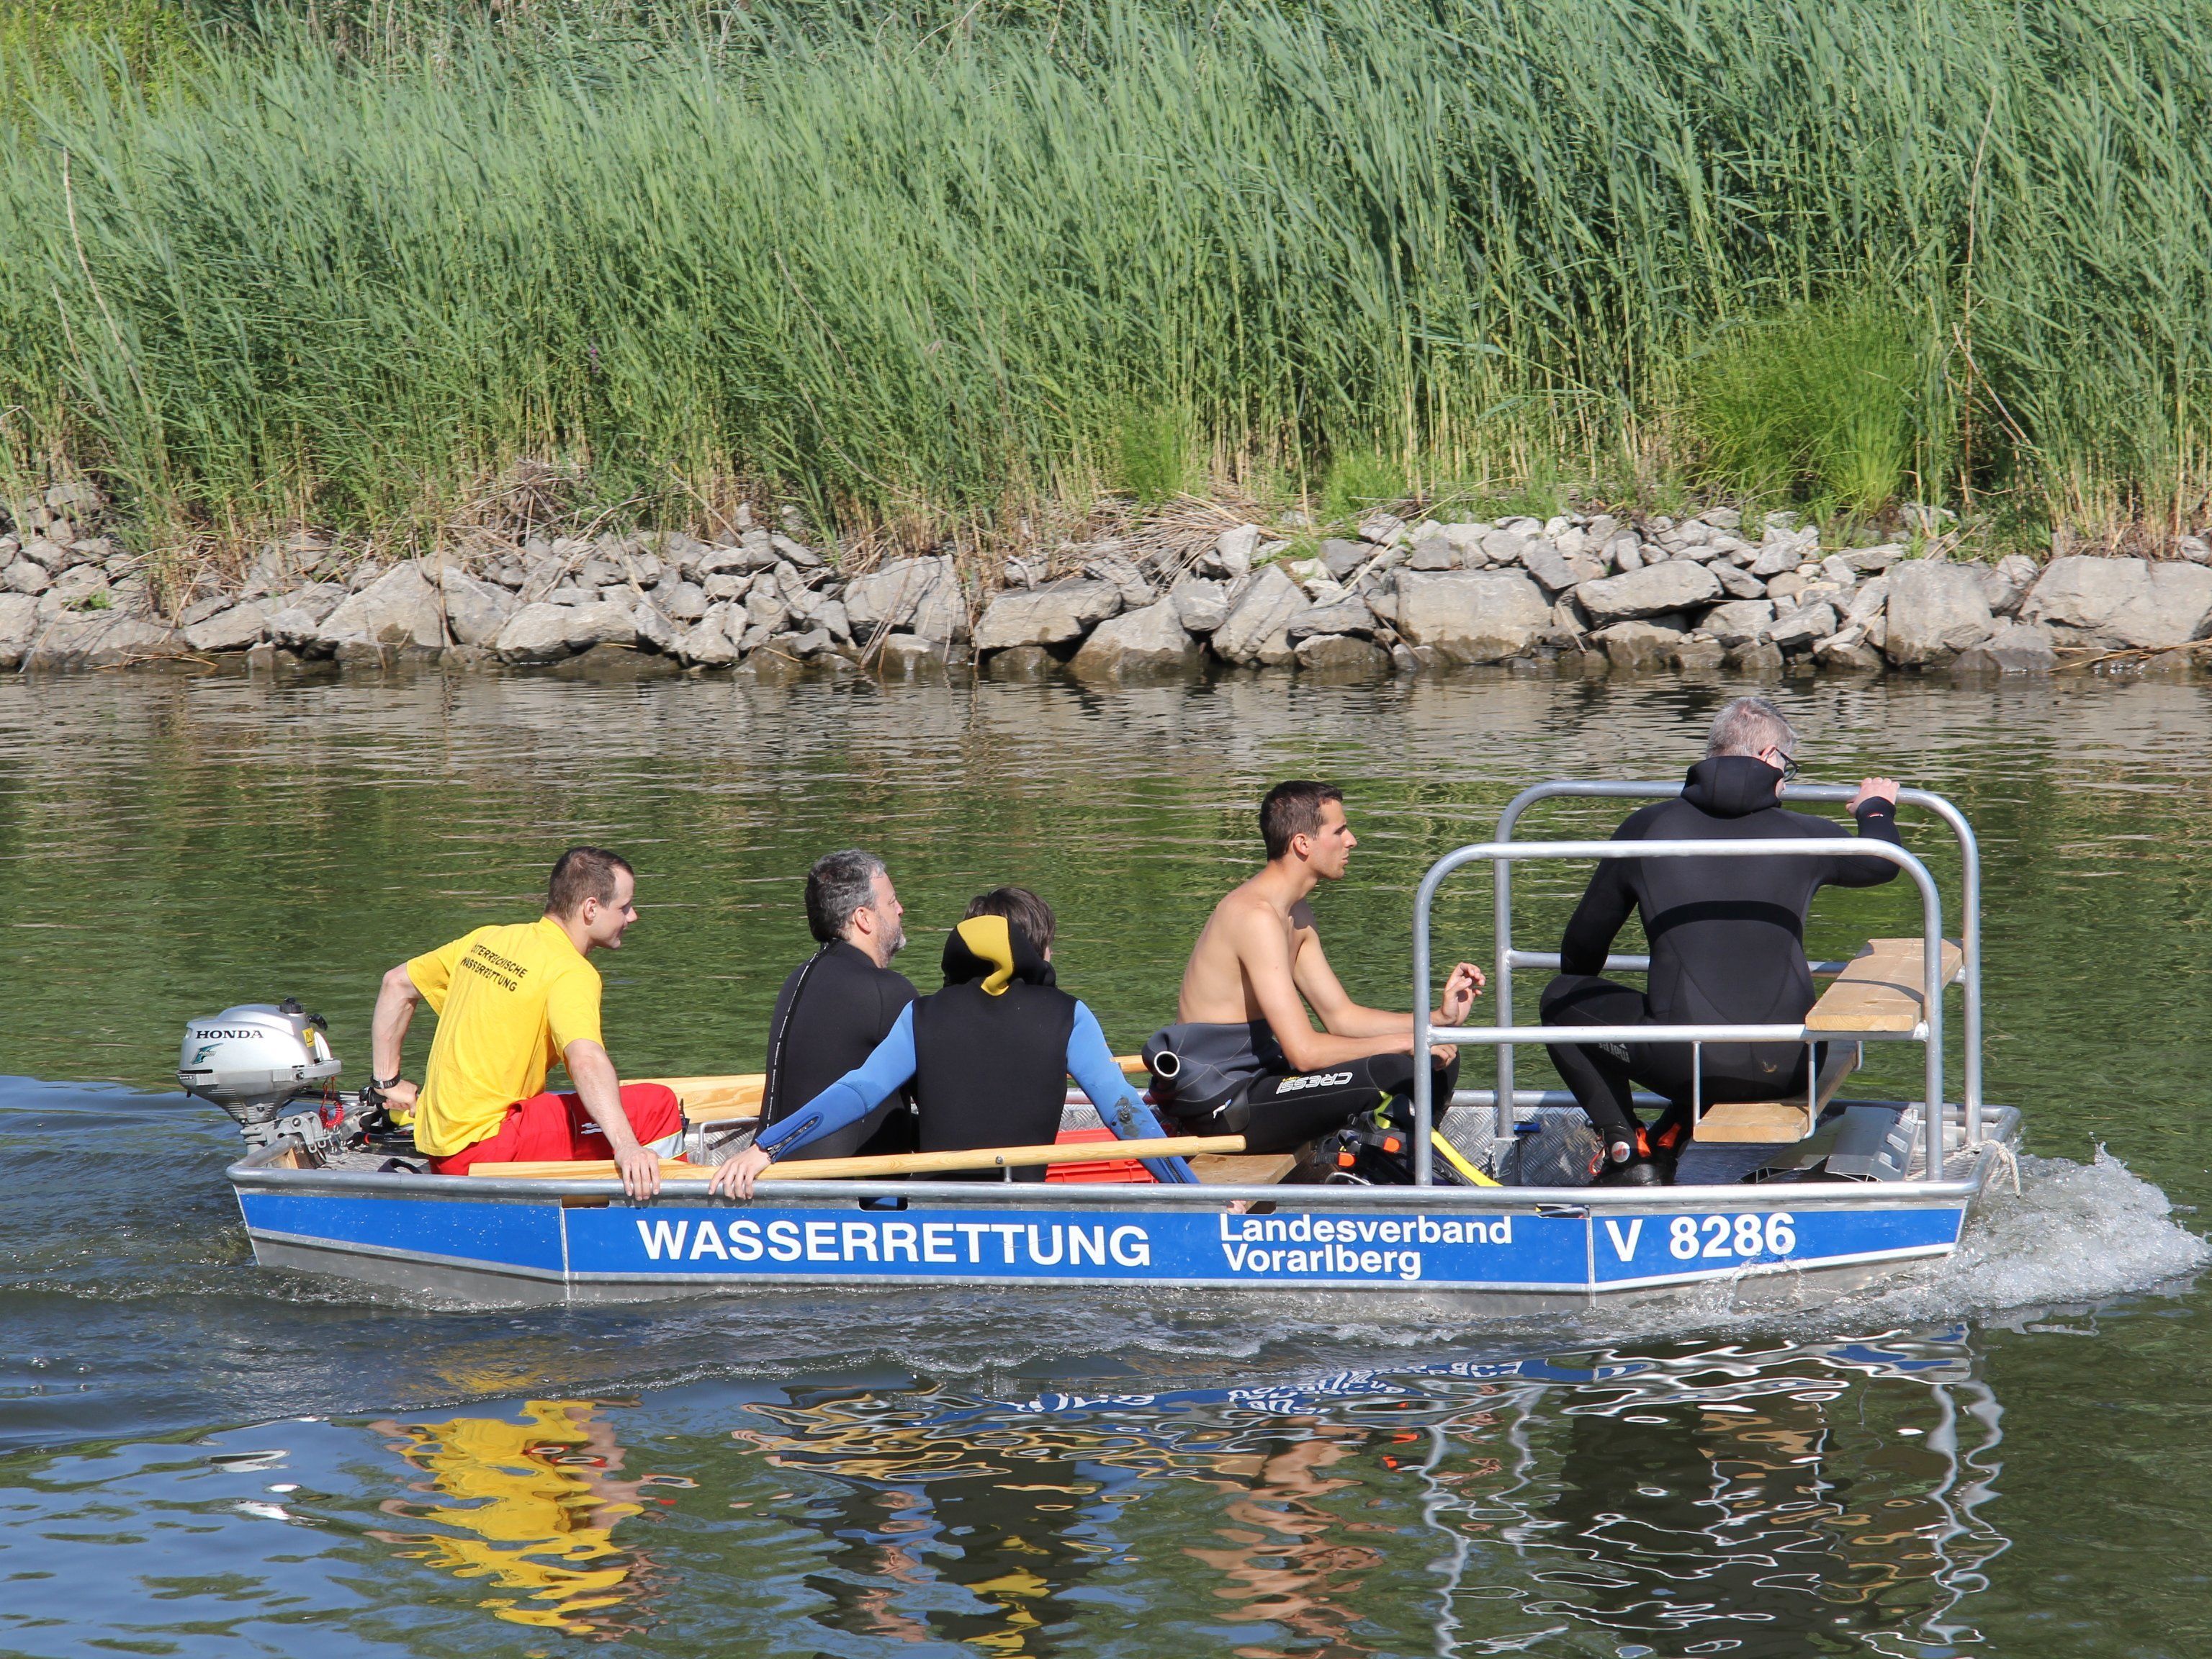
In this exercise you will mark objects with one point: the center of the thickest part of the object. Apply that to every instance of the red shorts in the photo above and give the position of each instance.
(551, 1128)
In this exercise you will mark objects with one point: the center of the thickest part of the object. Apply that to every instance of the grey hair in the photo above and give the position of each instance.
(838, 884)
(1746, 725)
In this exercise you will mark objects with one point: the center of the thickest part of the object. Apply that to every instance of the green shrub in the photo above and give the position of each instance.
(1152, 450)
(1814, 406)
(1356, 483)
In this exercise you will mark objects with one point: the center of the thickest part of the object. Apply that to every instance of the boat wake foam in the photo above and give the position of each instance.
(2074, 1234)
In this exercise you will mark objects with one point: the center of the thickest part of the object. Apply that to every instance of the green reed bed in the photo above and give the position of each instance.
(924, 269)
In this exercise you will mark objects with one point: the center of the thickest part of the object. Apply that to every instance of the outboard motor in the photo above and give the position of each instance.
(255, 1061)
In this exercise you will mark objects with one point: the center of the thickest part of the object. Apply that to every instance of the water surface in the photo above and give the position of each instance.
(2003, 1453)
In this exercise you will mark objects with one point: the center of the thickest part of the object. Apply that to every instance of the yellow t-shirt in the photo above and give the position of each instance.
(509, 1000)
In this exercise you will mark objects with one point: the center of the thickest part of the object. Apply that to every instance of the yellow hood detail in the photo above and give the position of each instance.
(987, 937)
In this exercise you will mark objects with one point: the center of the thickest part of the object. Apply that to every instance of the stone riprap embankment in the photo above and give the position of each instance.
(1592, 591)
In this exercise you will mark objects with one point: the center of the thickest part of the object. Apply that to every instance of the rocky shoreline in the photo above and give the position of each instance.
(1583, 593)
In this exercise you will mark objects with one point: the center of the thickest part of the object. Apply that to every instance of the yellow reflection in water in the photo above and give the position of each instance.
(533, 1510)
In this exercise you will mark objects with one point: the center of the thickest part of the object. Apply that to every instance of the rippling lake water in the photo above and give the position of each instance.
(2004, 1453)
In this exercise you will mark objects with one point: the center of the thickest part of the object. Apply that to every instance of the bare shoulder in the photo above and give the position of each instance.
(1302, 917)
(1244, 936)
(1245, 914)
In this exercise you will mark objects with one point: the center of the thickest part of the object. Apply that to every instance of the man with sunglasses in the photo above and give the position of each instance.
(1726, 939)
(840, 1003)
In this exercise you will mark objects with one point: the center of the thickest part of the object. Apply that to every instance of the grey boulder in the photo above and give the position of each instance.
(708, 643)
(1782, 549)
(26, 576)
(1936, 609)
(1737, 582)
(888, 597)
(1653, 591)
(476, 610)
(1804, 627)
(602, 622)
(1148, 638)
(2112, 605)
(18, 625)
(1472, 616)
(1232, 550)
(650, 627)
(684, 602)
(235, 630)
(1343, 617)
(2006, 584)
(536, 633)
(100, 639)
(941, 614)
(1199, 604)
(400, 607)
(904, 656)
(1639, 647)
(1054, 614)
(1343, 656)
(1739, 622)
(1256, 629)
(1340, 557)
(1548, 566)
(295, 619)
(1848, 649)
(1129, 581)
(2014, 648)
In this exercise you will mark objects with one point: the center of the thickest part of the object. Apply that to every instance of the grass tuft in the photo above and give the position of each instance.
(1359, 482)
(1152, 450)
(1814, 406)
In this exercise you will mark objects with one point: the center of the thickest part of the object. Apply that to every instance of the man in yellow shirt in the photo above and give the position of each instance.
(510, 1001)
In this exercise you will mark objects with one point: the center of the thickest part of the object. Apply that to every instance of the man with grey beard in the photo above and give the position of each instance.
(840, 1003)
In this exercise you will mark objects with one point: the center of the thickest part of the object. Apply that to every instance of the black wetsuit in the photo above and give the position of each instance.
(846, 1005)
(1236, 1079)
(990, 1048)
(1727, 939)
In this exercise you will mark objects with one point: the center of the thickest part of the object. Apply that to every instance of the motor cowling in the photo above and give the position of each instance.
(256, 1059)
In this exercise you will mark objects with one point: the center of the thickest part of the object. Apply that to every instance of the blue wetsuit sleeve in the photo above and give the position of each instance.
(851, 1098)
(1091, 1063)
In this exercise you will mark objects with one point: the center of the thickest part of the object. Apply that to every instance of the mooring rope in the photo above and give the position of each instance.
(2008, 1161)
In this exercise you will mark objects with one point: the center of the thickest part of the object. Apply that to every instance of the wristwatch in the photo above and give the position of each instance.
(380, 1084)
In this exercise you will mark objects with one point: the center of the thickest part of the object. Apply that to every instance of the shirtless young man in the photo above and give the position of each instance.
(1247, 1058)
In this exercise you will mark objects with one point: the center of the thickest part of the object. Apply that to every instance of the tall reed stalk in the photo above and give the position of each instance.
(931, 265)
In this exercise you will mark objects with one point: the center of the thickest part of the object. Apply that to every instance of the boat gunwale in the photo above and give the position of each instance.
(2001, 1126)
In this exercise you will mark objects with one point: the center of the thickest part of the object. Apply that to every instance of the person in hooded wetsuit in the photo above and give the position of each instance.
(840, 1003)
(988, 1057)
(1727, 940)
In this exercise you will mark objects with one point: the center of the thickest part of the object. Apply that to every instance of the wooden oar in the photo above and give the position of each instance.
(901, 1163)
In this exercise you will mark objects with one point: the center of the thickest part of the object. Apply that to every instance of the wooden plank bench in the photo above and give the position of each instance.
(715, 1099)
(1250, 1169)
(1778, 1123)
(1880, 990)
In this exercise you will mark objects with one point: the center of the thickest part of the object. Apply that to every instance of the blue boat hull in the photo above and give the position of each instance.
(1520, 1248)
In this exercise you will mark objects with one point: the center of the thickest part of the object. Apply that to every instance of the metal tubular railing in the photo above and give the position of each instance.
(1506, 1034)
(1970, 913)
